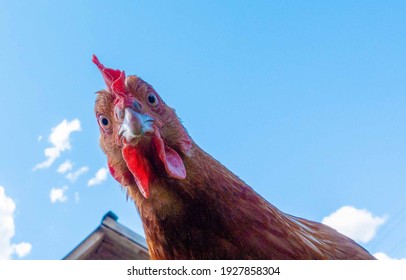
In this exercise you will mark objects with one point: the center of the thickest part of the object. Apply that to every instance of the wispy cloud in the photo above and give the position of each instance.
(65, 167)
(72, 176)
(59, 138)
(58, 194)
(7, 230)
(100, 177)
(358, 224)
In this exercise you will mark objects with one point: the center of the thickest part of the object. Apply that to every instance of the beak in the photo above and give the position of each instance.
(134, 125)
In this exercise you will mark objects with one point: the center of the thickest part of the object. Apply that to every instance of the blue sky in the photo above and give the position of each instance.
(304, 101)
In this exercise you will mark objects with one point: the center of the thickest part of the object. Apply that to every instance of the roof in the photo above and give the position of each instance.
(110, 241)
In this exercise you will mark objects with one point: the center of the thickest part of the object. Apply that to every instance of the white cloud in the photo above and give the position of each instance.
(7, 229)
(39, 138)
(358, 224)
(65, 167)
(383, 256)
(100, 177)
(22, 249)
(72, 176)
(59, 138)
(58, 194)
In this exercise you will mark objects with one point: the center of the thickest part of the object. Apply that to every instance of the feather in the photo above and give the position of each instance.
(192, 206)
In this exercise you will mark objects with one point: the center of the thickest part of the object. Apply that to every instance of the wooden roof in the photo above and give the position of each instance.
(111, 241)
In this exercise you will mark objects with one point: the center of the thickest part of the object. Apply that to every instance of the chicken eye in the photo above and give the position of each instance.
(152, 99)
(104, 123)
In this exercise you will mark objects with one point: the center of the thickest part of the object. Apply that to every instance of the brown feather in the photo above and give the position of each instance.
(212, 214)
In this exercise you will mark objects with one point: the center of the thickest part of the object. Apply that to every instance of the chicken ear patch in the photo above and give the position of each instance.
(139, 167)
(171, 160)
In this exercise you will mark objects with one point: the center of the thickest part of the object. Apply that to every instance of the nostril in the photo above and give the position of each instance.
(119, 113)
(137, 106)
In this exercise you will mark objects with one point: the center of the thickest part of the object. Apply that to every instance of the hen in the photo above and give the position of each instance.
(191, 206)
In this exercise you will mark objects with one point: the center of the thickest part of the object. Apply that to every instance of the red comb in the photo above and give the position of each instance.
(114, 79)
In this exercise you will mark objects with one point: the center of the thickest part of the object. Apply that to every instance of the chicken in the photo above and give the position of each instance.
(191, 206)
